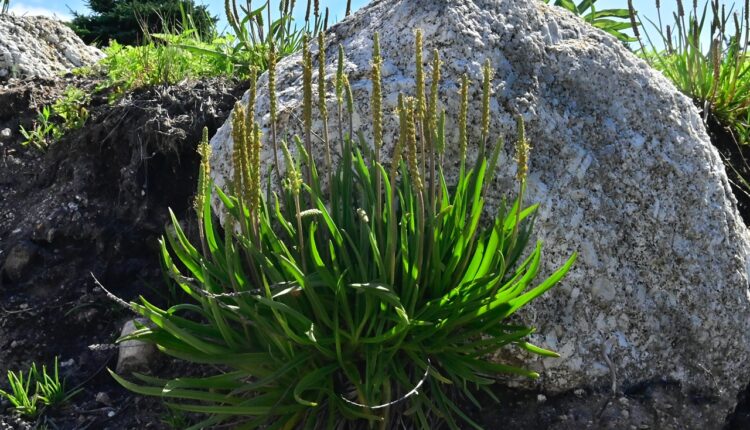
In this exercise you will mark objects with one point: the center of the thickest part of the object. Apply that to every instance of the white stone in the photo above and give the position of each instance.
(621, 165)
(135, 355)
(39, 46)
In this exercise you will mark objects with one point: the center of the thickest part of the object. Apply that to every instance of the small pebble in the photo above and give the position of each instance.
(541, 398)
(103, 398)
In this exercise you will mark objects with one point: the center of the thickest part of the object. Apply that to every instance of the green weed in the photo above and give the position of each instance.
(43, 131)
(51, 390)
(71, 108)
(20, 393)
(48, 390)
(67, 113)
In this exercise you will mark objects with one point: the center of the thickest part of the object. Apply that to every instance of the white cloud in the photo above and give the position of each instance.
(21, 9)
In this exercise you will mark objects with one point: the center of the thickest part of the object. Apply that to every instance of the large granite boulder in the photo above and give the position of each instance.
(623, 169)
(39, 46)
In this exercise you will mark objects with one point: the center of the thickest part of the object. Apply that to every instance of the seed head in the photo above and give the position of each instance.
(255, 171)
(377, 97)
(230, 16)
(349, 96)
(238, 149)
(252, 95)
(399, 147)
(340, 76)
(462, 132)
(432, 111)
(420, 106)
(441, 133)
(487, 69)
(633, 22)
(307, 83)
(322, 75)
(411, 144)
(522, 150)
(272, 79)
(293, 180)
(204, 149)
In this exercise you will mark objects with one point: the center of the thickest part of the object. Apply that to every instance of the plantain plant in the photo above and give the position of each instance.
(613, 21)
(374, 302)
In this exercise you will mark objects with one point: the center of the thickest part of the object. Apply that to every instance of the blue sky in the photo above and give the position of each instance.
(62, 8)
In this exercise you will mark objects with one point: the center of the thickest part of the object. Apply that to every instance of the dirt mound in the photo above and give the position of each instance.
(96, 202)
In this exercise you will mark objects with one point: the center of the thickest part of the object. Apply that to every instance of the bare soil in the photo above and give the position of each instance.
(94, 204)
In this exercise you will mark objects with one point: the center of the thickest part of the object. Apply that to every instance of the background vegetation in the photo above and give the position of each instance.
(129, 22)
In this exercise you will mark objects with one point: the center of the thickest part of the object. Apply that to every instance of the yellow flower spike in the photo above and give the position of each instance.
(487, 71)
(255, 170)
(251, 97)
(349, 104)
(411, 144)
(340, 94)
(293, 180)
(248, 148)
(349, 96)
(463, 112)
(204, 174)
(307, 99)
(522, 150)
(307, 83)
(340, 76)
(377, 124)
(238, 138)
(399, 147)
(432, 107)
(322, 76)
(272, 98)
(322, 102)
(377, 98)
(420, 106)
